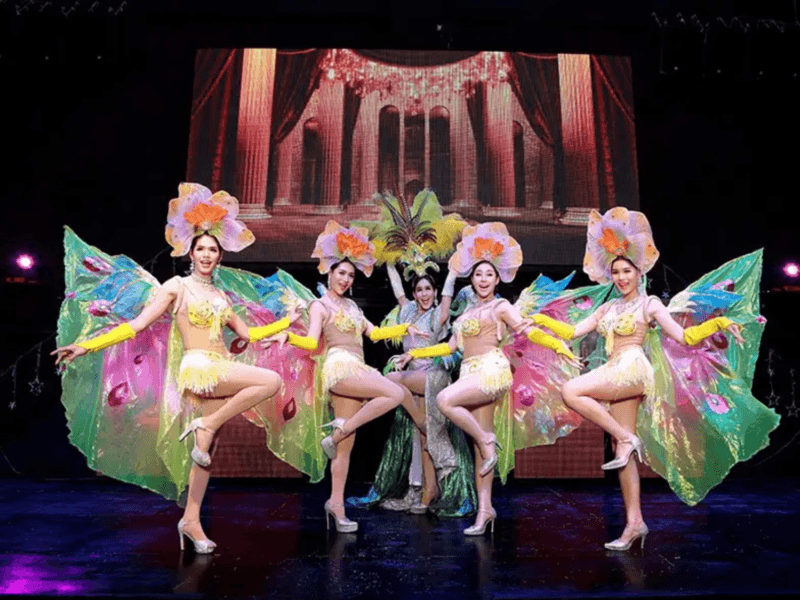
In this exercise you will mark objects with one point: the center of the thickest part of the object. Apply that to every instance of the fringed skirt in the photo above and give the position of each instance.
(200, 372)
(340, 364)
(492, 369)
(627, 368)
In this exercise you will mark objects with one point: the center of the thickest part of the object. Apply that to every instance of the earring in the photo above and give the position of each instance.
(350, 289)
(191, 266)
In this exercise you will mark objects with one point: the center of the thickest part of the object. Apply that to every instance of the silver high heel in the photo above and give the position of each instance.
(327, 443)
(201, 458)
(636, 446)
(343, 526)
(200, 546)
(489, 463)
(622, 546)
(475, 530)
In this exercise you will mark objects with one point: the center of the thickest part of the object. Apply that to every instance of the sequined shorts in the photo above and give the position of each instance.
(340, 364)
(492, 369)
(201, 370)
(627, 368)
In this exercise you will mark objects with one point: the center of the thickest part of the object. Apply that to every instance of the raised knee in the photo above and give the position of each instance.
(271, 381)
(443, 400)
(568, 391)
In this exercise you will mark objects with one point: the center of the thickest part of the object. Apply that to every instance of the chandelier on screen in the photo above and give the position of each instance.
(367, 76)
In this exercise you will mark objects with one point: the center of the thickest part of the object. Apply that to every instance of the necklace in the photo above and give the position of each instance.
(626, 306)
(205, 281)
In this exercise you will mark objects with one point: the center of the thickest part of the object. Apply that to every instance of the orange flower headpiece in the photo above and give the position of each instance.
(619, 232)
(337, 243)
(196, 211)
(487, 242)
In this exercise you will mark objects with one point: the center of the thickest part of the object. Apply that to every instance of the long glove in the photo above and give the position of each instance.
(563, 330)
(391, 332)
(259, 333)
(696, 334)
(120, 333)
(548, 341)
(442, 349)
(449, 287)
(303, 342)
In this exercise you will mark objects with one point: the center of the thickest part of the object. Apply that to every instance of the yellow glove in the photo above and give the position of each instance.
(548, 341)
(120, 333)
(695, 335)
(392, 332)
(563, 330)
(259, 333)
(442, 349)
(303, 342)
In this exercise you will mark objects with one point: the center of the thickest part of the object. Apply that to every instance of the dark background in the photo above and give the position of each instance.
(95, 109)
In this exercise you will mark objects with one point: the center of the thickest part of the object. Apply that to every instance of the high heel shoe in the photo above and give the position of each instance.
(622, 460)
(201, 458)
(420, 508)
(327, 443)
(200, 546)
(475, 530)
(489, 463)
(622, 546)
(342, 526)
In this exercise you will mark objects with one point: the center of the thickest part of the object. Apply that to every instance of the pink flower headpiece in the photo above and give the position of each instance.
(337, 243)
(619, 232)
(489, 242)
(196, 211)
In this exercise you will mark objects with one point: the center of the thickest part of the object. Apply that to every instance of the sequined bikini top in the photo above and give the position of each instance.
(621, 320)
(475, 326)
(209, 314)
(348, 318)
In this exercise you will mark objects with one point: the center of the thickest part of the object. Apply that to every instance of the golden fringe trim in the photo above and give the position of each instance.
(340, 364)
(629, 367)
(201, 370)
(493, 371)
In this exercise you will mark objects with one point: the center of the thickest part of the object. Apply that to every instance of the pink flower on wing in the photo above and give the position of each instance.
(99, 308)
(725, 284)
(119, 394)
(761, 319)
(583, 303)
(525, 395)
(717, 403)
(96, 264)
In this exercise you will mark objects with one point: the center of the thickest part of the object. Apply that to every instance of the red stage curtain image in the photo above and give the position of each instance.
(215, 117)
(476, 108)
(536, 84)
(615, 131)
(297, 74)
(352, 104)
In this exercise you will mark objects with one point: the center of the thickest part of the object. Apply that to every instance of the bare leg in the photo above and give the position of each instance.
(582, 394)
(342, 408)
(625, 413)
(198, 482)
(245, 386)
(484, 415)
(385, 395)
(458, 400)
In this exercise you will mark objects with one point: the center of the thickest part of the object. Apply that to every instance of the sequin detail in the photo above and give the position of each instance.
(493, 370)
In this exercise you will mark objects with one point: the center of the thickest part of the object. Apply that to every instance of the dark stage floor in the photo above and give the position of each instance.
(101, 538)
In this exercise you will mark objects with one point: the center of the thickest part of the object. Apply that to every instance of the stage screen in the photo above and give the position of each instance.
(303, 136)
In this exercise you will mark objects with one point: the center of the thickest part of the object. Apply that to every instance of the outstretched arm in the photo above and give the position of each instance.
(512, 317)
(397, 284)
(153, 310)
(691, 335)
(253, 334)
(448, 291)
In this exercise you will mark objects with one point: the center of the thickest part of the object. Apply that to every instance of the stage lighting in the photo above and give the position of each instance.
(25, 262)
(791, 269)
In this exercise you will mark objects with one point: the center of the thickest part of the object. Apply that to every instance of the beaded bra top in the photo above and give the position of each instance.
(620, 320)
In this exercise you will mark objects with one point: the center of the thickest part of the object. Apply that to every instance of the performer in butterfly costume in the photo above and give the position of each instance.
(679, 391)
(166, 354)
(506, 397)
(433, 471)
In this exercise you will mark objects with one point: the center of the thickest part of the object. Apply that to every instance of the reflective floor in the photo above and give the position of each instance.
(101, 538)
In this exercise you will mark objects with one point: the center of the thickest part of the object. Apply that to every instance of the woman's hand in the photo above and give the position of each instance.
(736, 331)
(278, 338)
(295, 312)
(401, 361)
(414, 330)
(66, 354)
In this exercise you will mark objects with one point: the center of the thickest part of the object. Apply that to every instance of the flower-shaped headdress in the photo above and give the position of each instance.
(489, 242)
(415, 235)
(619, 232)
(196, 211)
(337, 243)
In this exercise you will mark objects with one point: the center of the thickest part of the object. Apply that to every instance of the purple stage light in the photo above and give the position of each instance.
(25, 262)
(791, 269)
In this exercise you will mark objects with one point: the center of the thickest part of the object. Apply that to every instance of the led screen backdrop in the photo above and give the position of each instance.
(302, 136)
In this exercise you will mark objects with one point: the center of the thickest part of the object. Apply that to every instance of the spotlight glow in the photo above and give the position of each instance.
(25, 261)
(791, 269)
